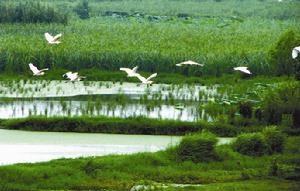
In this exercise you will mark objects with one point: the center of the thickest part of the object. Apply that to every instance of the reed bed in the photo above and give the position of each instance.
(110, 43)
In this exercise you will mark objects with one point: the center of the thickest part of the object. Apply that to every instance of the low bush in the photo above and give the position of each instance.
(253, 144)
(274, 138)
(197, 148)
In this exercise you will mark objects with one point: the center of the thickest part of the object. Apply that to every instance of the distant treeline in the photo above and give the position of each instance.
(30, 12)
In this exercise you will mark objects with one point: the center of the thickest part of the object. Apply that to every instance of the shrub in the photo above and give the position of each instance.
(274, 138)
(245, 109)
(252, 144)
(280, 54)
(197, 148)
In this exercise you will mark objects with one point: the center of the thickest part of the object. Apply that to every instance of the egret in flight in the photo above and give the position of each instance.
(189, 62)
(242, 69)
(36, 71)
(146, 80)
(130, 72)
(52, 39)
(73, 76)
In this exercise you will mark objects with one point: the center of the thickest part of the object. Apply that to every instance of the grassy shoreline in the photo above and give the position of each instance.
(121, 172)
(134, 125)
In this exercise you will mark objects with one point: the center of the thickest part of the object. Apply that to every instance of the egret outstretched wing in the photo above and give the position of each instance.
(49, 37)
(57, 37)
(127, 70)
(189, 62)
(34, 69)
(135, 69)
(242, 69)
(152, 76)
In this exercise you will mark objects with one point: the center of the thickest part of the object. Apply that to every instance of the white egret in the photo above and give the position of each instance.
(73, 76)
(130, 72)
(52, 39)
(36, 71)
(146, 80)
(189, 62)
(242, 69)
(295, 52)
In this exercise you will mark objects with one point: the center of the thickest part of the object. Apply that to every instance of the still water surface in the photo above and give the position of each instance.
(27, 146)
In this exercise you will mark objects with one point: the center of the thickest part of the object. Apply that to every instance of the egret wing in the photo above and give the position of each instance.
(127, 70)
(57, 37)
(48, 37)
(33, 68)
(135, 69)
(141, 78)
(152, 76)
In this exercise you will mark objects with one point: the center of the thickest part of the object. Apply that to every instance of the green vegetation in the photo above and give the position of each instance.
(155, 40)
(281, 53)
(30, 12)
(284, 100)
(270, 141)
(138, 125)
(252, 144)
(274, 138)
(120, 173)
(197, 148)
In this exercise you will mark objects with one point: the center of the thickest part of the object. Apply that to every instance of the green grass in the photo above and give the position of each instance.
(228, 81)
(134, 125)
(121, 172)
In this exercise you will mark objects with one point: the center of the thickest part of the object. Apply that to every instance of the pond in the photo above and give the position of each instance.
(26, 146)
(25, 98)
(19, 109)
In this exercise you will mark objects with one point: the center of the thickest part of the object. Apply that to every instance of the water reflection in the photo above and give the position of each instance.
(20, 109)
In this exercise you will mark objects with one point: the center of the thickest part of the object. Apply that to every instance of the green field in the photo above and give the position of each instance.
(219, 34)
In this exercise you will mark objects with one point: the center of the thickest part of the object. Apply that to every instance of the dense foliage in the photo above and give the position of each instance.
(270, 141)
(252, 144)
(153, 38)
(280, 54)
(285, 100)
(197, 148)
(30, 12)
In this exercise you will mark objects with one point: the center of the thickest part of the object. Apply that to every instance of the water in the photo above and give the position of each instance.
(55, 88)
(29, 98)
(50, 108)
(26, 146)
